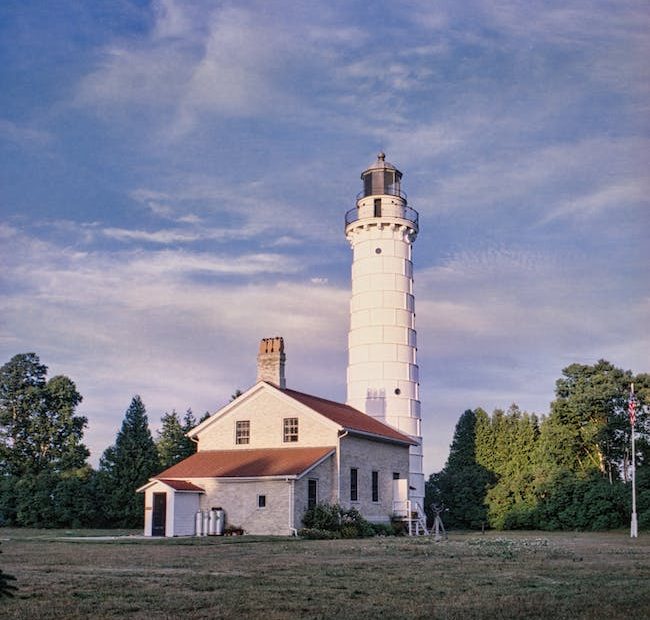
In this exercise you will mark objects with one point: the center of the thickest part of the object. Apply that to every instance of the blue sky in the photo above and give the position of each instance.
(174, 176)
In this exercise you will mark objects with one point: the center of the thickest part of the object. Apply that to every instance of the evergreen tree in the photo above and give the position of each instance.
(173, 445)
(126, 466)
(462, 484)
(512, 439)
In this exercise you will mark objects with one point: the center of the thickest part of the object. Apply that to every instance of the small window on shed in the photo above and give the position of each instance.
(261, 501)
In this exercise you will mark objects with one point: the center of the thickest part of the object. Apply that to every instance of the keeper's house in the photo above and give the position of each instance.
(272, 453)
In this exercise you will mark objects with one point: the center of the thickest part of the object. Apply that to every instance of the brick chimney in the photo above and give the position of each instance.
(270, 361)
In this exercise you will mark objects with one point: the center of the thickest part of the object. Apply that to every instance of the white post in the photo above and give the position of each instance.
(633, 524)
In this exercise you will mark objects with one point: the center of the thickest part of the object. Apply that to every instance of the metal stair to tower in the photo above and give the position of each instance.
(412, 515)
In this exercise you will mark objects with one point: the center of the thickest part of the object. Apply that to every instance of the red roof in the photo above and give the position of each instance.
(181, 485)
(349, 418)
(246, 463)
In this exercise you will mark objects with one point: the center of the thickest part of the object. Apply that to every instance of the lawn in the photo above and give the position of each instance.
(61, 574)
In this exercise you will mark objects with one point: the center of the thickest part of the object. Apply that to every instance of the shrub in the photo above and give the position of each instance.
(332, 518)
(323, 516)
(316, 534)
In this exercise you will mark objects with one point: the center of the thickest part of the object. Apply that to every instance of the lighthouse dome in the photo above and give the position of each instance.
(381, 178)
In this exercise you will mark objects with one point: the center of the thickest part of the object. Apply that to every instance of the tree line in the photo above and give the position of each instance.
(569, 469)
(45, 477)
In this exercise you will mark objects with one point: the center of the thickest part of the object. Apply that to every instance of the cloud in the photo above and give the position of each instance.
(24, 135)
(130, 322)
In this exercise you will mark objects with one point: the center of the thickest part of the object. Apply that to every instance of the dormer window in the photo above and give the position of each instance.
(242, 431)
(290, 434)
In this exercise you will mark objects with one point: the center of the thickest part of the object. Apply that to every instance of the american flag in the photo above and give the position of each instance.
(631, 407)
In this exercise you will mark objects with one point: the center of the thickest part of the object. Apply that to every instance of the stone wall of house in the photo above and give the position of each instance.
(367, 456)
(327, 488)
(266, 411)
(240, 501)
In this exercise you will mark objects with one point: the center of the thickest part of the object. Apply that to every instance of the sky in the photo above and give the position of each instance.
(174, 177)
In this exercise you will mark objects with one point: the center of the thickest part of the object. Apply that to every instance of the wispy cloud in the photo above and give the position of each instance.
(23, 134)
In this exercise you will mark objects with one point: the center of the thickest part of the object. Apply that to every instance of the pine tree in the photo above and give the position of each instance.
(126, 466)
(173, 444)
(462, 484)
(512, 441)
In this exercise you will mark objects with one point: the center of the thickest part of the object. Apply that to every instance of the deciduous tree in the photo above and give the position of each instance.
(39, 430)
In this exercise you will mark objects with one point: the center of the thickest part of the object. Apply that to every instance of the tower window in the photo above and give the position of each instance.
(375, 486)
(377, 207)
(377, 250)
(242, 431)
(398, 391)
(261, 501)
(354, 484)
(290, 430)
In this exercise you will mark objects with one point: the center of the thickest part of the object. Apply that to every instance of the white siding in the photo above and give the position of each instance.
(266, 411)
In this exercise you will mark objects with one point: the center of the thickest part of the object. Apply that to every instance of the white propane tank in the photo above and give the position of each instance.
(213, 523)
(199, 523)
(220, 519)
(206, 522)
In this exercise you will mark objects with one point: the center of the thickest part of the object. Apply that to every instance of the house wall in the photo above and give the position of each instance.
(266, 413)
(367, 456)
(239, 500)
(325, 474)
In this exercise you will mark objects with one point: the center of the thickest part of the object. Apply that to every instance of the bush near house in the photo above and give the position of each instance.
(330, 521)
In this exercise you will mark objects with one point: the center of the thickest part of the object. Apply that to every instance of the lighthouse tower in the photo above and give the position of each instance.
(382, 377)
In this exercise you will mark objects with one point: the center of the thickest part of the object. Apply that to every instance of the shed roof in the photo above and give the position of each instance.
(247, 463)
(349, 418)
(181, 485)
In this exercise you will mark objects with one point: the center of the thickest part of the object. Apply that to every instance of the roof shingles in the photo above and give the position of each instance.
(349, 418)
(247, 463)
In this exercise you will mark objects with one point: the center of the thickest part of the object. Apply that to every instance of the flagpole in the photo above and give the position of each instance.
(633, 524)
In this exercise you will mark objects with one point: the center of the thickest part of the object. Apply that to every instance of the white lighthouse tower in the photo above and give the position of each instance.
(382, 369)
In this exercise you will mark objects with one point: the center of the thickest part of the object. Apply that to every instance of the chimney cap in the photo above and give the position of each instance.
(272, 345)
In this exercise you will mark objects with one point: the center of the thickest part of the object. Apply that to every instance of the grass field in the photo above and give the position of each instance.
(495, 575)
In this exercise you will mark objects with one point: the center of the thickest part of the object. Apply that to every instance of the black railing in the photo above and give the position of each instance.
(410, 215)
(387, 191)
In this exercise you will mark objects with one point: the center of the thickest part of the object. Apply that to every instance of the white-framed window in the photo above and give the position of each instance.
(261, 501)
(290, 430)
(242, 431)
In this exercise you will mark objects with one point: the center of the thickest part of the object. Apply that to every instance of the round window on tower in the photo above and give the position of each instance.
(398, 391)
(377, 250)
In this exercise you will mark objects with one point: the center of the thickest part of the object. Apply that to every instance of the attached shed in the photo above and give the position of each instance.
(170, 507)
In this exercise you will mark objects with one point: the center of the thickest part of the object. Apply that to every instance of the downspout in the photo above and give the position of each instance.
(338, 468)
(292, 508)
